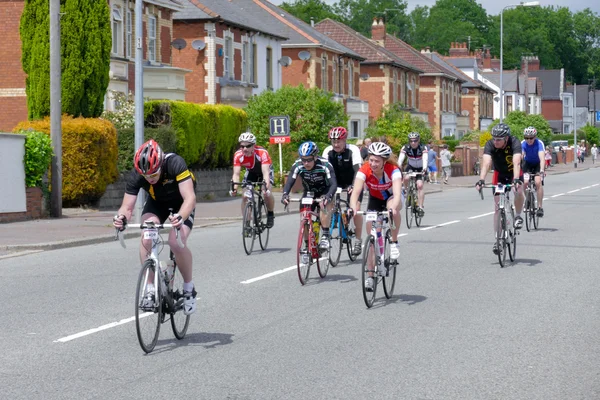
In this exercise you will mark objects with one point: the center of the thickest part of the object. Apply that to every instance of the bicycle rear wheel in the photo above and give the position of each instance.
(409, 209)
(536, 218)
(261, 223)
(418, 217)
(501, 239)
(147, 320)
(179, 321)
(335, 242)
(369, 270)
(303, 270)
(350, 237)
(389, 280)
(248, 232)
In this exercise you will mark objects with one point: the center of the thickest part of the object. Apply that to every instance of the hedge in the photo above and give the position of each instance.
(165, 136)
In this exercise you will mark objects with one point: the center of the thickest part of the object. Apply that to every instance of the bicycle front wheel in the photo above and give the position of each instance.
(248, 232)
(409, 210)
(501, 239)
(179, 321)
(303, 249)
(335, 241)
(512, 238)
(369, 271)
(389, 279)
(536, 218)
(529, 211)
(148, 317)
(350, 237)
(261, 222)
(418, 216)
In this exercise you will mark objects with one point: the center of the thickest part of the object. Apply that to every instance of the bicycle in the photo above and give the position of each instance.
(506, 234)
(168, 294)
(377, 263)
(253, 223)
(411, 203)
(341, 231)
(308, 238)
(531, 204)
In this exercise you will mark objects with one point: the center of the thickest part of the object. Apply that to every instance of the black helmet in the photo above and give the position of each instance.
(501, 130)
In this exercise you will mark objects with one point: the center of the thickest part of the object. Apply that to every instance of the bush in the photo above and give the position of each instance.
(38, 155)
(165, 136)
(483, 138)
(124, 115)
(395, 124)
(518, 121)
(89, 159)
(452, 143)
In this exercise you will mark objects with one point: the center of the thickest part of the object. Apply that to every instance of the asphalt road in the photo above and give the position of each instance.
(458, 326)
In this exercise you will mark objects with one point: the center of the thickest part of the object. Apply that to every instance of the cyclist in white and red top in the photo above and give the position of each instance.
(417, 156)
(259, 167)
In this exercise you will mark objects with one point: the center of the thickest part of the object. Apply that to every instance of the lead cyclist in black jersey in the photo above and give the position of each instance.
(346, 160)
(170, 185)
(503, 151)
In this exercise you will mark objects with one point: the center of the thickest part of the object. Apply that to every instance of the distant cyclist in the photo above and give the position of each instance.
(259, 168)
(346, 160)
(503, 152)
(317, 177)
(417, 162)
(534, 163)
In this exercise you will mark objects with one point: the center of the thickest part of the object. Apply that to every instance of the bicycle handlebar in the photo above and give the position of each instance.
(387, 214)
(153, 225)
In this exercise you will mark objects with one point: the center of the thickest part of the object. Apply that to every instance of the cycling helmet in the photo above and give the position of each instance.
(338, 132)
(148, 158)
(247, 137)
(530, 132)
(414, 135)
(308, 149)
(380, 149)
(501, 130)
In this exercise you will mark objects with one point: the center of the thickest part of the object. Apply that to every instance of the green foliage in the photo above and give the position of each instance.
(165, 136)
(306, 10)
(358, 14)
(395, 124)
(85, 47)
(472, 136)
(124, 115)
(592, 134)
(518, 121)
(38, 155)
(451, 142)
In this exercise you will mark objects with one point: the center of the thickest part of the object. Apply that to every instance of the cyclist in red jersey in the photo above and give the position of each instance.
(259, 167)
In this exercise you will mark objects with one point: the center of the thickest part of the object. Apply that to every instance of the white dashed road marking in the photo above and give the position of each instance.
(440, 225)
(482, 215)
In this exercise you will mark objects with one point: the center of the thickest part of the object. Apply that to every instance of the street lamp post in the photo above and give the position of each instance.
(522, 4)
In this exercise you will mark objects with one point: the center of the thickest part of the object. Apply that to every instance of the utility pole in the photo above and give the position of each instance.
(139, 96)
(55, 110)
(575, 124)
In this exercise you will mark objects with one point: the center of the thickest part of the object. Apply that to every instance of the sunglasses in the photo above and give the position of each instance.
(307, 160)
(498, 139)
(414, 140)
(529, 138)
(153, 176)
(246, 146)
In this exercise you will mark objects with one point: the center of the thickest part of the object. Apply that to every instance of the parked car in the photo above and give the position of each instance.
(557, 143)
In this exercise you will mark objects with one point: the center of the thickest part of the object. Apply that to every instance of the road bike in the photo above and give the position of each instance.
(506, 234)
(412, 202)
(308, 239)
(377, 263)
(254, 222)
(531, 203)
(168, 293)
(341, 230)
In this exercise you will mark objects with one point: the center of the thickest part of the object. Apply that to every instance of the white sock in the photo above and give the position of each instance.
(188, 286)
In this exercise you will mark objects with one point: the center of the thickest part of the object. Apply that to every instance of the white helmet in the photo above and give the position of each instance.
(380, 149)
(247, 137)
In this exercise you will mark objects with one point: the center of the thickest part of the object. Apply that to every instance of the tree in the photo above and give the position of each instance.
(85, 62)
(359, 14)
(306, 10)
(518, 121)
(592, 134)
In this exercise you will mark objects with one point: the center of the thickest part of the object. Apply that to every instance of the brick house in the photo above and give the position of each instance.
(13, 100)
(439, 88)
(556, 101)
(385, 78)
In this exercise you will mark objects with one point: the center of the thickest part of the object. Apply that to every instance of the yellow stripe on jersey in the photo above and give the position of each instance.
(183, 175)
(151, 192)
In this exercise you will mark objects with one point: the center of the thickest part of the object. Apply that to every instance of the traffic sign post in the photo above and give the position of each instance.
(597, 116)
(280, 133)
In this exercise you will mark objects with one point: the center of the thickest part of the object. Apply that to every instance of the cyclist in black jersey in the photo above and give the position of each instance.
(417, 160)
(346, 160)
(170, 185)
(318, 177)
(503, 152)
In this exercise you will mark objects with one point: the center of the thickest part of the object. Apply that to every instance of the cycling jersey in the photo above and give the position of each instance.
(320, 180)
(415, 156)
(344, 163)
(380, 189)
(253, 164)
(502, 159)
(174, 170)
(530, 152)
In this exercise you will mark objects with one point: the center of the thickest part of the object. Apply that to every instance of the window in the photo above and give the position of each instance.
(405, 87)
(117, 31)
(151, 38)
(129, 37)
(269, 68)
(228, 58)
(451, 97)
(395, 88)
(567, 107)
(252, 63)
(567, 128)
(413, 94)
(350, 79)
(340, 77)
(354, 128)
(509, 104)
(443, 96)
(334, 77)
(324, 72)
(245, 62)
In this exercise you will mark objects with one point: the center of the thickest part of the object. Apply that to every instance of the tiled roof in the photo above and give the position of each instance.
(583, 96)
(551, 82)
(371, 51)
(171, 4)
(411, 55)
(451, 69)
(509, 78)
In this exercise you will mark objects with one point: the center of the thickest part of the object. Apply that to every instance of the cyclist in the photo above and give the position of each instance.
(346, 160)
(534, 162)
(318, 177)
(503, 153)
(170, 185)
(382, 176)
(417, 162)
(258, 165)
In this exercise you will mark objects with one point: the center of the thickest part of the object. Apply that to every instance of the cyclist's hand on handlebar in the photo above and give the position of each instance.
(325, 200)
(233, 193)
(517, 182)
(120, 222)
(350, 189)
(176, 220)
(350, 213)
(285, 199)
(480, 183)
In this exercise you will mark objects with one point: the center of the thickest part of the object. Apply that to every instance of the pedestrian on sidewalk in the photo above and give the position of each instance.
(563, 152)
(364, 149)
(581, 151)
(446, 156)
(432, 164)
(548, 156)
(594, 153)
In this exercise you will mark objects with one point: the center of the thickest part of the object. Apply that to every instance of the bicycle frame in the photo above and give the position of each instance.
(339, 221)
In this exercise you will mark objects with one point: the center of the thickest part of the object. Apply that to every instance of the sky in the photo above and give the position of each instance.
(493, 7)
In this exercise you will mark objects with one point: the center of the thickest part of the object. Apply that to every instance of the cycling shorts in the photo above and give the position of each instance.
(161, 210)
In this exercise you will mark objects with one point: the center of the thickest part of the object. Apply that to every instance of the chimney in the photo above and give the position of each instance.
(458, 50)
(378, 31)
(426, 50)
(495, 64)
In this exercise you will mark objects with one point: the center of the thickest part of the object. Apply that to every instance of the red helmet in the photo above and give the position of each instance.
(148, 158)
(338, 132)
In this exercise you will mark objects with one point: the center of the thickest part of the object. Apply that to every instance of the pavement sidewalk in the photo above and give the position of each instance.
(81, 226)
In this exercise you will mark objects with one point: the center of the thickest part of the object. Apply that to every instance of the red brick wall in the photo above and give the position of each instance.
(191, 59)
(35, 208)
(552, 109)
(297, 72)
(371, 90)
(468, 104)
(12, 111)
